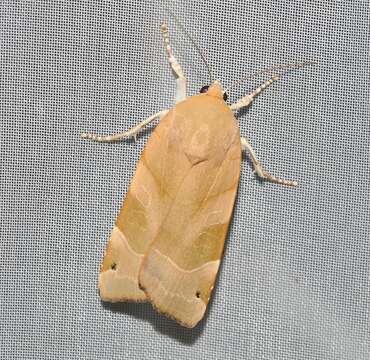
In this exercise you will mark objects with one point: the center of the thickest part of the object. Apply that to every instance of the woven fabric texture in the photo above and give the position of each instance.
(295, 279)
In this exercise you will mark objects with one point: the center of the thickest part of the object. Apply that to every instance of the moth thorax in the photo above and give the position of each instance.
(215, 90)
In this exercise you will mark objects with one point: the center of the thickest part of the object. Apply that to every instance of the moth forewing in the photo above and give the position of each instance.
(179, 269)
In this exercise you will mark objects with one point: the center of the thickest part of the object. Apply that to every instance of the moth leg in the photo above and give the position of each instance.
(176, 68)
(131, 132)
(246, 100)
(261, 172)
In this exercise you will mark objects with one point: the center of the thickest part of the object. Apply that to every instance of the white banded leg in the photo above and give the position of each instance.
(246, 100)
(181, 79)
(132, 132)
(261, 172)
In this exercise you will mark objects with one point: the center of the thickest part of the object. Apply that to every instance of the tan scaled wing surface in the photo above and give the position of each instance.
(199, 183)
(148, 200)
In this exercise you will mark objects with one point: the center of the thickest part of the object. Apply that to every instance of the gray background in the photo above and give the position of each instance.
(295, 277)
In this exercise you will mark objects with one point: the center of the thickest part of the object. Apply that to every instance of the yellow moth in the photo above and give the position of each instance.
(168, 238)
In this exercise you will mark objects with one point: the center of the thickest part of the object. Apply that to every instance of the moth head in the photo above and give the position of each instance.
(215, 90)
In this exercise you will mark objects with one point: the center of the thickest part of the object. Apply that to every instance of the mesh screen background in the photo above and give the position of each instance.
(294, 283)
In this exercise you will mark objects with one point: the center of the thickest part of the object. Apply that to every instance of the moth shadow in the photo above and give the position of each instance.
(162, 324)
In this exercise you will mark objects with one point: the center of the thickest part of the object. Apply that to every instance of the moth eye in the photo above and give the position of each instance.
(204, 89)
(225, 96)
(113, 266)
(197, 294)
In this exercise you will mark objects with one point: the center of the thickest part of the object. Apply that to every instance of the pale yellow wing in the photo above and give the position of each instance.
(179, 268)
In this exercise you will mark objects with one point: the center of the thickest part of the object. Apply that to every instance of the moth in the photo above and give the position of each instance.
(168, 239)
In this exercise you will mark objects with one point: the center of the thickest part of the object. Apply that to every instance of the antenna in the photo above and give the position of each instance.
(208, 67)
(286, 67)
